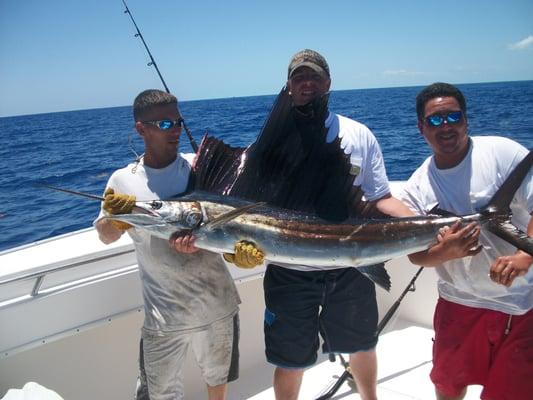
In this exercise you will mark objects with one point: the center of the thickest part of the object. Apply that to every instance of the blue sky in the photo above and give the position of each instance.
(60, 55)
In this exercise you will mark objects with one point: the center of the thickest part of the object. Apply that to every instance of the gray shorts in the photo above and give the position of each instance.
(216, 350)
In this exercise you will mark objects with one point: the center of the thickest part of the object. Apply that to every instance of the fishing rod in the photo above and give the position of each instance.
(154, 64)
(347, 373)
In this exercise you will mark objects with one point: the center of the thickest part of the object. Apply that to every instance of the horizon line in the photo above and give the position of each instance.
(256, 95)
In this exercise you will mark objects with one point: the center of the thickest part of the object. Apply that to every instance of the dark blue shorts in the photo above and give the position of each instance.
(339, 304)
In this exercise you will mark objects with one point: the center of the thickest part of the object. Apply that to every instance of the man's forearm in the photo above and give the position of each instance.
(390, 205)
(427, 258)
(107, 233)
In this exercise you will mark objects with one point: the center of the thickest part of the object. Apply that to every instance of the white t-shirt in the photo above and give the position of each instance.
(365, 154)
(180, 291)
(366, 161)
(465, 189)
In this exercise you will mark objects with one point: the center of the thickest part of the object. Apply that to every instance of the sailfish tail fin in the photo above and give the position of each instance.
(499, 206)
(510, 233)
(504, 195)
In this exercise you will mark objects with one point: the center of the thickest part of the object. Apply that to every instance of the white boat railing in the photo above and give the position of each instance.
(39, 276)
(62, 286)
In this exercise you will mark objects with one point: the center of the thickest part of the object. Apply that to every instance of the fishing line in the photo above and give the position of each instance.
(154, 64)
(138, 157)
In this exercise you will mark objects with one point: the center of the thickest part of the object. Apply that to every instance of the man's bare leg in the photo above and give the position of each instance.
(364, 367)
(217, 392)
(287, 383)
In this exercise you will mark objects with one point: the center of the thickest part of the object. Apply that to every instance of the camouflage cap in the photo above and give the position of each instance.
(308, 58)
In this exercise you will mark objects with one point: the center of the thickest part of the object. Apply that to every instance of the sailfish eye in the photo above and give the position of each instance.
(156, 204)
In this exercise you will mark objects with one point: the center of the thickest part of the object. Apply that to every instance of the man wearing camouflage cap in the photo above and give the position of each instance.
(327, 163)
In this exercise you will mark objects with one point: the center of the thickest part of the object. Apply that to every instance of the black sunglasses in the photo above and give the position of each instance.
(450, 118)
(166, 124)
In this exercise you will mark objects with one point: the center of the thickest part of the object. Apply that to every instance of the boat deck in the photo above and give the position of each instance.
(404, 357)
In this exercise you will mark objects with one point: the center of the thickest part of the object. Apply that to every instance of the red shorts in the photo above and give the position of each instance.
(471, 348)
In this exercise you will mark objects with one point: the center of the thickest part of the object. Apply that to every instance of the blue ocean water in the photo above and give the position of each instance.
(80, 149)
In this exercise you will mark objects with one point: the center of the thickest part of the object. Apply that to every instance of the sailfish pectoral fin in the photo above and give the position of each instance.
(510, 233)
(377, 274)
(224, 218)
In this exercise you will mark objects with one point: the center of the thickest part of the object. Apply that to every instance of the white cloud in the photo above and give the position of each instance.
(522, 44)
(401, 72)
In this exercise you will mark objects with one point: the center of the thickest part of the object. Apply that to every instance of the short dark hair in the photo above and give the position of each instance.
(438, 89)
(148, 99)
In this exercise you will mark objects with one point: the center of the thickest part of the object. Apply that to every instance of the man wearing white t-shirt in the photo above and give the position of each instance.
(484, 319)
(190, 299)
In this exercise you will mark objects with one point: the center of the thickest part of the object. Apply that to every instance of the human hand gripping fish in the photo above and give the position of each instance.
(460, 241)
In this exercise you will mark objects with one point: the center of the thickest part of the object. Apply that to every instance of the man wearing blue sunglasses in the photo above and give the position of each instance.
(190, 299)
(484, 316)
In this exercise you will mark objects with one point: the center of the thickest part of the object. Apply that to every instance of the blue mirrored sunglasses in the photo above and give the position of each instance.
(450, 118)
(166, 124)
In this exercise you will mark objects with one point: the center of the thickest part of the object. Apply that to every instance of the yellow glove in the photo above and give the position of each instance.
(247, 255)
(118, 203)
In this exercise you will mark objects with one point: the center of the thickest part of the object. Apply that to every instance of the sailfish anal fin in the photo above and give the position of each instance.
(377, 274)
